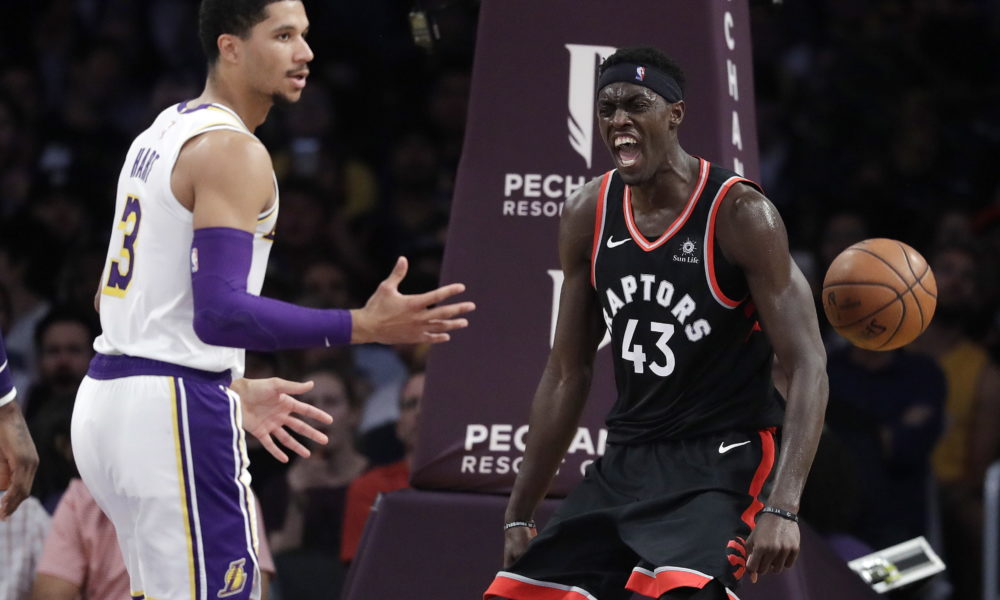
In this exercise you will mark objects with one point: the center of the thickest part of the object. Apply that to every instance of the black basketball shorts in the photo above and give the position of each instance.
(650, 519)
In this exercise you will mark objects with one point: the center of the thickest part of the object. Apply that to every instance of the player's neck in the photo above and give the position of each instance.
(252, 108)
(672, 184)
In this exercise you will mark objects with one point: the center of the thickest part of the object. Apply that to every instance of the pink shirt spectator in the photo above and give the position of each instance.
(82, 547)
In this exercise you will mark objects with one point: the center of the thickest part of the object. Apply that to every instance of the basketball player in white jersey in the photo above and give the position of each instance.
(159, 420)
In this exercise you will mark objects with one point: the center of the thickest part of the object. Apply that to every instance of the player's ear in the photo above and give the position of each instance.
(676, 111)
(229, 48)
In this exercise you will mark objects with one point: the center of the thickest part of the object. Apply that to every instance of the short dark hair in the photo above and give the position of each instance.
(65, 314)
(646, 55)
(237, 17)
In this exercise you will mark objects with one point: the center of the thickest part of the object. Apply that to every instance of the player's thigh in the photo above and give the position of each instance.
(175, 473)
(211, 507)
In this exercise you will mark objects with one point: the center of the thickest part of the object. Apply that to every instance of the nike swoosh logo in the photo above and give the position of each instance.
(614, 244)
(723, 448)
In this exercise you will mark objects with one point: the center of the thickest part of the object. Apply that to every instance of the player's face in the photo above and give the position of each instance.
(329, 394)
(64, 355)
(636, 124)
(277, 52)
(409, 410)
(955, 274)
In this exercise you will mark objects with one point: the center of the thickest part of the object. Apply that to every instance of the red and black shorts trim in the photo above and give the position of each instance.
(650, 518)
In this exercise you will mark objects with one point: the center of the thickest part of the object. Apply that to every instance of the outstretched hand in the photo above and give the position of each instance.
(390, 317)
(268, 409)
(18, 459)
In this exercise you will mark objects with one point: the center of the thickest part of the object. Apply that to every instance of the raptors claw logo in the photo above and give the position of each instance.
(736, 550)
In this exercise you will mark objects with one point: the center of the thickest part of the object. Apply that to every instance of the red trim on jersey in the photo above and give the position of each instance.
(598, 227)
(760, 476)
(678, 222)
(713, 283)
(654, 586)
(504, 586)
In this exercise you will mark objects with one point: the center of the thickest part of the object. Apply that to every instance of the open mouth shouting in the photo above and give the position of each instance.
(626, 149)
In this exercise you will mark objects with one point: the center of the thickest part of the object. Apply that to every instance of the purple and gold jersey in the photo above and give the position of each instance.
(146, 301)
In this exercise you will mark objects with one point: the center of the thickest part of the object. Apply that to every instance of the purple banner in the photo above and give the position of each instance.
(531, 140)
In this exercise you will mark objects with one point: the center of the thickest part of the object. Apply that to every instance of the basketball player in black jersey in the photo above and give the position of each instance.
(687, 264)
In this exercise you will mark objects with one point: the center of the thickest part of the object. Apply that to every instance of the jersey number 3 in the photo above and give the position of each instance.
(120, 269)
(637, 357)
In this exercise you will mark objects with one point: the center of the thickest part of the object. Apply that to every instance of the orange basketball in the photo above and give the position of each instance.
(880, 294)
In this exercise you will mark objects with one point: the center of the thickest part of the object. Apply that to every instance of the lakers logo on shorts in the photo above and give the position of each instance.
(737, 554)
(236, 579)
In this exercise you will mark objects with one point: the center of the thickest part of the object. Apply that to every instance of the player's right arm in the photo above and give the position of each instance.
(565, 383)
(225, 179)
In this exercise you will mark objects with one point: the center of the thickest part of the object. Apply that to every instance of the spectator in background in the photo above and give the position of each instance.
(22, 536)
(56, 468)
(64, 342)
(388, 369)
(840, 231)
(15, 155)
(305, 511)
(886, 408)
(25, 271)
(81, 559)
(364, 491)
(302, 234)
(831, 499)
(970, 441)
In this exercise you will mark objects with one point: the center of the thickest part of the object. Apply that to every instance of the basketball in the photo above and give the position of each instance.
(880, 294)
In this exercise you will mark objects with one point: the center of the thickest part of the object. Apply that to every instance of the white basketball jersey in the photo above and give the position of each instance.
(146, 302)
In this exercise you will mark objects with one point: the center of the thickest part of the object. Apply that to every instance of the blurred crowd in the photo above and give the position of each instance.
(876, 119)
(881, 119)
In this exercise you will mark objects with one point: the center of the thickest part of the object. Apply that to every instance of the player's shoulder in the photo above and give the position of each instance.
(583, 202)
(223, 148)
(746, 205)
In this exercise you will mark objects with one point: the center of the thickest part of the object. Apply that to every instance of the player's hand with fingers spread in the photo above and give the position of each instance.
(390, 317)
(772, 546)
(18, 458)
(515, 543)
(268, 409)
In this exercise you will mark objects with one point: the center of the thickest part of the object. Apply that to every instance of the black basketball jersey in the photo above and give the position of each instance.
(689, 356)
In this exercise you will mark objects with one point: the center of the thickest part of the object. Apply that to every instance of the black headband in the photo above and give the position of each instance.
(651, 77)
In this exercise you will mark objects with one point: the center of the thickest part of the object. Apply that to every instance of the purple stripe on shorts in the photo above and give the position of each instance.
(115, 366)
(222, 511)
(184, 433)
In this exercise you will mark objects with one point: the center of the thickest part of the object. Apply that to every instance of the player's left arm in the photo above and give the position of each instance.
(752, 235)
(268, 409)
